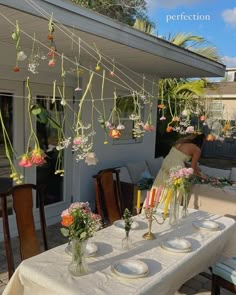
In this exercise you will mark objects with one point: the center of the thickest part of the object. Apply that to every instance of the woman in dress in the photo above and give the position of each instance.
(184, 150)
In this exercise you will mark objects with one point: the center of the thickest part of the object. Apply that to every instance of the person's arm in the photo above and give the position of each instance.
(194, 163)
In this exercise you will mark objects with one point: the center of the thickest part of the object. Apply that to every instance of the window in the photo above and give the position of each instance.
(216, 109)
(126, 106)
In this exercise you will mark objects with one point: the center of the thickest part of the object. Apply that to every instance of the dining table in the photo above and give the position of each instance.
(175, 255)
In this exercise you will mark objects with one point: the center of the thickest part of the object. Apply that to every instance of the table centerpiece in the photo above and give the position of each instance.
(79, 224)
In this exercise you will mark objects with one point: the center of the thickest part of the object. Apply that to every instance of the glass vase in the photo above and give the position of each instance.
(174, 210)
(126, 242)
(78, 265)
(184, 212)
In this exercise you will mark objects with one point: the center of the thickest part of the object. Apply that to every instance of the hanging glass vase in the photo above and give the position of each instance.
(126, 242)
(174, 210)
(184, 212)
(78, 265)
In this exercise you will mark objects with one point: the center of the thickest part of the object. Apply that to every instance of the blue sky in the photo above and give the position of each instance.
(215, 20)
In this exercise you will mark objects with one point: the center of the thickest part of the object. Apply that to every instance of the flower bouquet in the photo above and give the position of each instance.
(79, 224)
(180, 183)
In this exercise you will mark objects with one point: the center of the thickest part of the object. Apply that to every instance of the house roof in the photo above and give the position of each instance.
(137, 50)
(222, 89)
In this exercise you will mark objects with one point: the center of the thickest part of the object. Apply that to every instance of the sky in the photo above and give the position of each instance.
(215, 20)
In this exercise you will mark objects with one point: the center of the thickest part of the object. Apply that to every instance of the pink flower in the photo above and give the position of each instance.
(190, 129)
(162, 118)
(148, 127)
(65, 213)
(51, 63)
(77, 140)
(25, 161)
(38, 157)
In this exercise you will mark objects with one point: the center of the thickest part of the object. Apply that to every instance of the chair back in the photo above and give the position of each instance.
(22, 202)
(108, 195)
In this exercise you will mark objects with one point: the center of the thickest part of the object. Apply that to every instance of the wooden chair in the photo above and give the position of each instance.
(224, 276)
(22, 202)
(108, 195)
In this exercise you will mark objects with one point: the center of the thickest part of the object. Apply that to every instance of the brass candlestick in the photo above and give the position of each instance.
(150, 217)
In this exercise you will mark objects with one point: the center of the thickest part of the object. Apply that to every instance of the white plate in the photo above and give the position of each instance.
(91, 249)
(130, 268)
(177, 245)
(121, 224)
(206, 224)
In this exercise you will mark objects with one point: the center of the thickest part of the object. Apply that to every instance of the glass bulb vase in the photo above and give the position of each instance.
(78, 265)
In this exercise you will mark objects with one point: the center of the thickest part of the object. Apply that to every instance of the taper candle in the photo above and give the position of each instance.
(153, 193)
(147, 199)
(158, 194)
(138, 199)
(167, 201)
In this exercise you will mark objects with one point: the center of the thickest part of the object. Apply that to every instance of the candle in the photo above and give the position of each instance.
(158, 194)
(138, 199)
(54, 92)
(147, 199)
(167, 201)
(153, 193)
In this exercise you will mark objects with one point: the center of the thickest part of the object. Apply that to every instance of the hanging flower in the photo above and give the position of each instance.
(120, 127)
(16, 37)
(161, 106)
(175, 119)
(21, 56)
(112, 74)
(148, 127)
(52, 62)
(16, 69)
(163, 118)
(202, 118)
(114, 133)
(190, 129)
(169, 129)
(38, 157)
(97, 68)
(77, 89)
(25, 161)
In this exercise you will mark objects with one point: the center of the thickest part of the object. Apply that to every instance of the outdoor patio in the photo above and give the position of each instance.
(199, 285)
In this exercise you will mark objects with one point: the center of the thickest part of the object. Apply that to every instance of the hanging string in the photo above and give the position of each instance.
(72, 100)
(45, 14)
(68, 59)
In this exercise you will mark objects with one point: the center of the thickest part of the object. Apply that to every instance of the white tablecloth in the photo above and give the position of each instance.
(47, 274)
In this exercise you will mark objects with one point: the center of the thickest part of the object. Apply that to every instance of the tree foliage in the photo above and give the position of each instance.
(125, 11)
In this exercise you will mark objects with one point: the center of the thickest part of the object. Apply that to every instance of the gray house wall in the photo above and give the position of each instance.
(109, 155)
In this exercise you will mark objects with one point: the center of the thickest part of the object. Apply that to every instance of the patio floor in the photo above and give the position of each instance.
(199, 285)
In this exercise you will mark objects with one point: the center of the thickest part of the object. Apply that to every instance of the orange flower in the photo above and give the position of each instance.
(161, 106)
(67, 220)
(114, 133)
(169, 129)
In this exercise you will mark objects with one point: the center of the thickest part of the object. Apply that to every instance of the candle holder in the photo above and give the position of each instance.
(150, 217)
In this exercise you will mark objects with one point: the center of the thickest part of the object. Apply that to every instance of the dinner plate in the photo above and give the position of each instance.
(91, 249)
(177, 245)
(130, 268)
(121, 224)
(206, 224)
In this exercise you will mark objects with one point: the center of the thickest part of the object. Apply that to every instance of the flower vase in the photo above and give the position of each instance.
(174, 210)
(126, 242)
(184, 212)
(78, 265)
